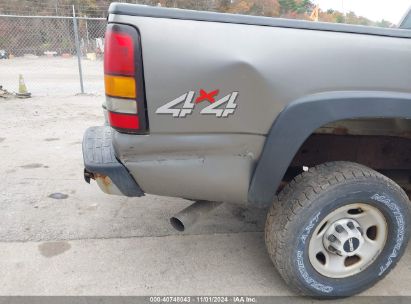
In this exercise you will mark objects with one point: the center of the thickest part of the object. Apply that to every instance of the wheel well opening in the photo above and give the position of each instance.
(381, 144)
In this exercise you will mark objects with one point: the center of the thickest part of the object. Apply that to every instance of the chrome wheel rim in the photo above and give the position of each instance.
(347, 240)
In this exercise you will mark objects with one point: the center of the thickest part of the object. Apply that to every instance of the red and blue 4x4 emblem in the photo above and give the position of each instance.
(222, 107)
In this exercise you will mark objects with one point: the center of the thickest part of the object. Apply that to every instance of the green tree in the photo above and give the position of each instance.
(303, 6)
(287, 6)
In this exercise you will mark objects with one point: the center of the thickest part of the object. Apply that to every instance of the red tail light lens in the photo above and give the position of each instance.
(119, 54)
(123, 121)
(123, 69)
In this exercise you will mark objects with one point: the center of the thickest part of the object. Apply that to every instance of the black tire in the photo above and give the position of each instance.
(306, 200)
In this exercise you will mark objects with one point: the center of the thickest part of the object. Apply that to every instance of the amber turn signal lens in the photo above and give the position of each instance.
(120, 86)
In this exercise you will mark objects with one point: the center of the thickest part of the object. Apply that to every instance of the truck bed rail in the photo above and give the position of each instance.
(173, 13)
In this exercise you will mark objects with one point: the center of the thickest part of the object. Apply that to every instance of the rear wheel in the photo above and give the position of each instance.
(337, 229)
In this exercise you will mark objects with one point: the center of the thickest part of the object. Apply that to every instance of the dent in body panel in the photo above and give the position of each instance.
(212, 178)
(215, 167)
(270, 67)
(154, 146)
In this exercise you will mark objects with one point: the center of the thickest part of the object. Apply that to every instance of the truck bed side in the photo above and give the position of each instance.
(269, 62)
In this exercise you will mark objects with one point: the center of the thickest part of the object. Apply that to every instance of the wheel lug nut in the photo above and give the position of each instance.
(339, 229)
(332, 249)
(332, 238)
(350, 225)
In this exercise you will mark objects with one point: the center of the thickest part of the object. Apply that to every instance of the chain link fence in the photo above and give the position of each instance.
(44, 49)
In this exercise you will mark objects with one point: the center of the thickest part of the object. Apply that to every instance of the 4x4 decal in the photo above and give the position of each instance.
(222, 107)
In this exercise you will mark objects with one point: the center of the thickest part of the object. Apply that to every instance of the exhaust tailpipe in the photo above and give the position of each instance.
(189, 216)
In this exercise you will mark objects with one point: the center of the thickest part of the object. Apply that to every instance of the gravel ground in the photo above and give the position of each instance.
(89, 243)
(54, 76)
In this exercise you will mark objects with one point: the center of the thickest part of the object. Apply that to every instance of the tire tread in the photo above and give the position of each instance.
(298, 195)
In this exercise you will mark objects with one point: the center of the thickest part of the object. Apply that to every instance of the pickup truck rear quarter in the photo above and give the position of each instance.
(270, 67)
(234, 108)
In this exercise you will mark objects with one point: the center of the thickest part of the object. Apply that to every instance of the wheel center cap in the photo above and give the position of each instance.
(343, 237)
(351, 245)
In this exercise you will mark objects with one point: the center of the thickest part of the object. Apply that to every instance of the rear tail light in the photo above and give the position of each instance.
(123, 121)
(120, 86)
(123, 79)
(120, 105)
(119, 52)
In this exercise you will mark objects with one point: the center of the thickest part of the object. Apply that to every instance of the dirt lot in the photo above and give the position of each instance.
(88, 243)
(54, 76)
